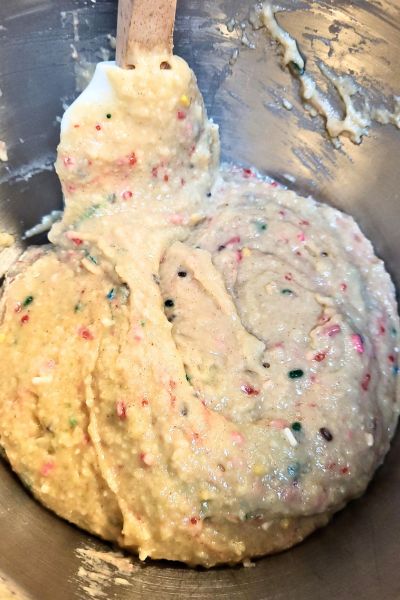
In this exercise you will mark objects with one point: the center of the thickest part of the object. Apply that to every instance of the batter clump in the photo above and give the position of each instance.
(202, 365)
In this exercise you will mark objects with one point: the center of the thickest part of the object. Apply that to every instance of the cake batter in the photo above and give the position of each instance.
(202, 365)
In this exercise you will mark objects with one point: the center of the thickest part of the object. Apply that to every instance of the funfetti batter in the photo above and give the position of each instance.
(202, 366)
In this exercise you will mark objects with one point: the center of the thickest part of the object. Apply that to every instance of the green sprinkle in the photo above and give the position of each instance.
(111, 198)
(296, 426)
(253, 515)
(72, 422)
(295, 68)
(78, 306)
(89, 212)
(111, 294)
(393, 331)
(287, 292)
(108, 115)
(93, 259)
(261, 226)
(143, 323)
(294, 470)
(188, 378)
(28, 300)
(296, 373)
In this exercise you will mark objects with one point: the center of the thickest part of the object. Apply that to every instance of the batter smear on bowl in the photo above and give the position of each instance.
(202, 365)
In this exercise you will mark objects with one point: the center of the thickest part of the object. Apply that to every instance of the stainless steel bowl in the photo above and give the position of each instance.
(356, 555)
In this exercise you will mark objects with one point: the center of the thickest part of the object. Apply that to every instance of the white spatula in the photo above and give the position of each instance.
(143, 26)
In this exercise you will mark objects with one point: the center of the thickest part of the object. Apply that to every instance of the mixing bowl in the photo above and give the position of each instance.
(46, 52)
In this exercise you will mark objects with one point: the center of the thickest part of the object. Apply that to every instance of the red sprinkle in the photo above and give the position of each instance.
(98, 127)
(181, 115)
(195, 437)
(147, 458)
(176, 219)
(166, 178)
(357, 342)
(343, 287)
(304, 222)
(121, 410)
(232, 241)
(320, 356)
(237, 437)
(127, 195)
(248, 173)
(77, 241)
(391, 358)
(239, 256)
(301, 237)
(274, 184)
(46, 468)
(332, 330)
(85, 333)
(279, 423)
(193, 520)
(132, 159)
(24, 319)
(249, 390)
(86, 439)
(145, 402)
(366, 381)
(288, 277)
(344, 470)
(68, 161)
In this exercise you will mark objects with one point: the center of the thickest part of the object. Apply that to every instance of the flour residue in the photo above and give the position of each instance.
(26, 172)
(45, 224)
(9, 592)
(85, 61)
(385, 116)
(3, 151)
(112, 41)
(101, 569)
(6, 240)
(353, 122)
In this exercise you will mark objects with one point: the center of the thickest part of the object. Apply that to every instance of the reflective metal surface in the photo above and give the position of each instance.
(357, 554)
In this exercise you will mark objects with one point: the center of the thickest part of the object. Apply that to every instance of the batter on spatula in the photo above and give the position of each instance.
(202, 365)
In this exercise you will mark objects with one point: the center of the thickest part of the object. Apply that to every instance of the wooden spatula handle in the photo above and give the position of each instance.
(144, 25)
